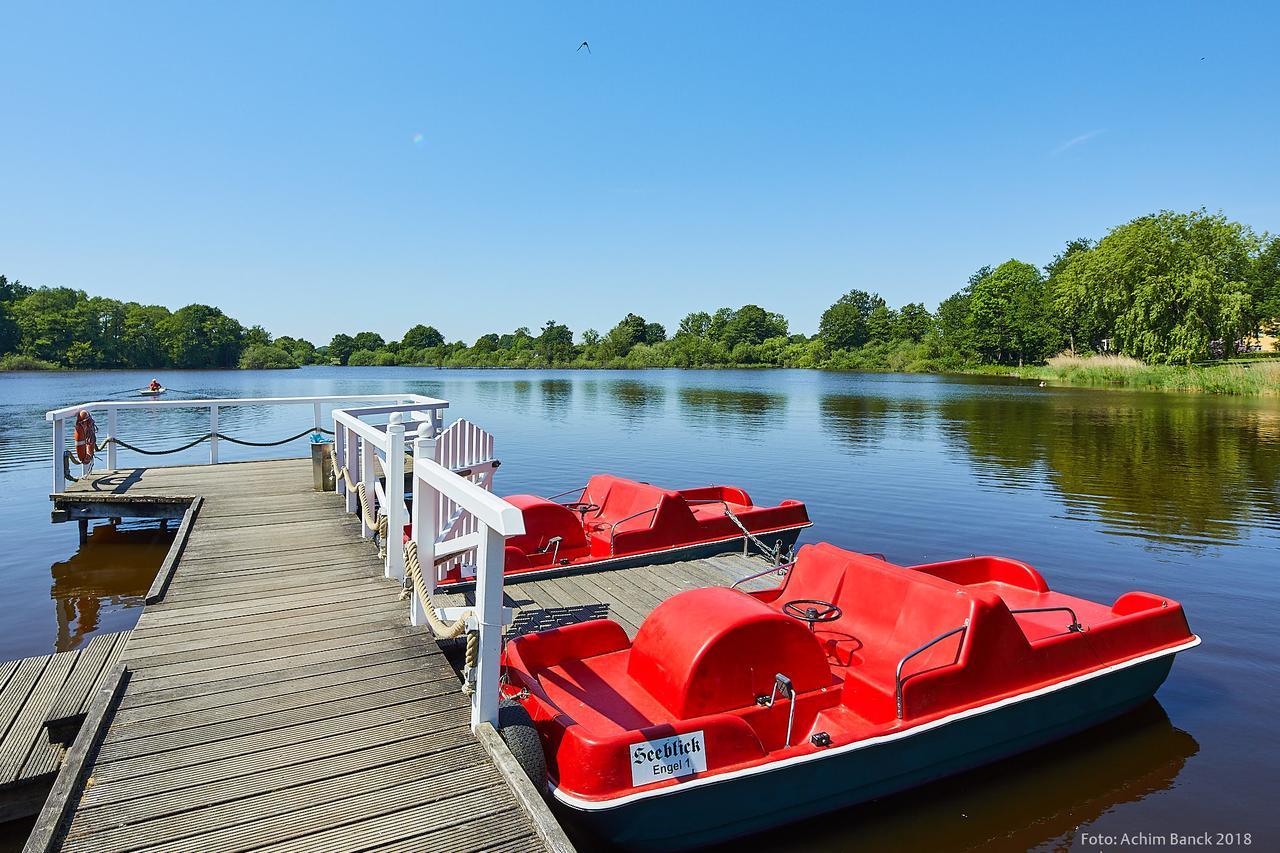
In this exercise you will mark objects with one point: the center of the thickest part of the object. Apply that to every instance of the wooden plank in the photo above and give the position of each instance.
(216, 826)
(26, 732)
(67, 712)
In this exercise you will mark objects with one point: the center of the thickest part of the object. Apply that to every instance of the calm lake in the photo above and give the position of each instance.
(1103, 491)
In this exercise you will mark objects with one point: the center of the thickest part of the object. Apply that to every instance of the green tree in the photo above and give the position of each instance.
(629, 332)
(1010, 316)
(882, 324)
(369, 341)
(256, 336)
(10, 333)
(266, 357)
(844, 324)
(556, 343)
(914, 322)
(143, 343)
(421, 336)
(341, 347)
(202, 336)
(697, 324)
(49, 322)
(752, 325)
(1164, 287)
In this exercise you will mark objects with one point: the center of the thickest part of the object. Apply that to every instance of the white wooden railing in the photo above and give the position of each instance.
(495, 520)
(456, 518)
(60, 418)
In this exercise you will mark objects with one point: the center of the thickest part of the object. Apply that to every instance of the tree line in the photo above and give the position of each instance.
(1171, 288)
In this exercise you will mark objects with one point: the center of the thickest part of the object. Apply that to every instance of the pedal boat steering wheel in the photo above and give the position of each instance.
(812, 611)
(582, 508)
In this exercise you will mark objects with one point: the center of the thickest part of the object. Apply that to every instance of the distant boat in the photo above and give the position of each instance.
(147, 392)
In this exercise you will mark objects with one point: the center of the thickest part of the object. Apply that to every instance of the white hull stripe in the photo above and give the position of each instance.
(605, 805)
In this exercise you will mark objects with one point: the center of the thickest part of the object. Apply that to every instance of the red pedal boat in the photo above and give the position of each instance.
(618, 523)
(732, 712)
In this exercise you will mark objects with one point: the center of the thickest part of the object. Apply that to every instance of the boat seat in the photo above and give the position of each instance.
(888, 611)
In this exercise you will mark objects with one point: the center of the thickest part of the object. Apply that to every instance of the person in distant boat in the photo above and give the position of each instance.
(155, 385)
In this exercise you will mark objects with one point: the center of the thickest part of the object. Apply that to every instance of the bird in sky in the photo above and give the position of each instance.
(581, 46)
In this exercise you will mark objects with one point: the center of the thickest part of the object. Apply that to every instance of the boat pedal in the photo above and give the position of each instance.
(820, 739)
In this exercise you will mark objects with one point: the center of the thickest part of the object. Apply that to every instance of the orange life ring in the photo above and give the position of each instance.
(86, 438)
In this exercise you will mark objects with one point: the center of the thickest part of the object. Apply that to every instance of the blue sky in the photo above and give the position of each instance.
(318, 167)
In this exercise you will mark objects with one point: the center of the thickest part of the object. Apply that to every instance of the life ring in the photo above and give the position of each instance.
(86, 438)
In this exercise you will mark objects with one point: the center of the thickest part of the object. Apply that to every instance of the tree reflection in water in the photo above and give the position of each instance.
(1172, 470)
(109, 574)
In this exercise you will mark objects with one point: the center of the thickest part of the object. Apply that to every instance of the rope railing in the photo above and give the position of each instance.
(219, 435)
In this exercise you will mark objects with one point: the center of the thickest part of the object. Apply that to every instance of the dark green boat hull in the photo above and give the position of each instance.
(690, 816)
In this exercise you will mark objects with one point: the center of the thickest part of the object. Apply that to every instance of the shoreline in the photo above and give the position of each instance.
(1246, 378)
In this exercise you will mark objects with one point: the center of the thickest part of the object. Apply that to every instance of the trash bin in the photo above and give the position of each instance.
(321, 463)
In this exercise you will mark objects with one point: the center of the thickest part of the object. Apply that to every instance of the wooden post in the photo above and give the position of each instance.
(111, 434)
(368, 476)
(213, 437)
(395, 497)
(423, 529)
(492, 557)
(59, 454)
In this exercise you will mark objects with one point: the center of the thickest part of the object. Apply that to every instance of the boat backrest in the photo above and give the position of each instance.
(891, 609)
(704, 651)
(619, 498)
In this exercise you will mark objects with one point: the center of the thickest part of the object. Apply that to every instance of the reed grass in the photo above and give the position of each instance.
(1245, 379)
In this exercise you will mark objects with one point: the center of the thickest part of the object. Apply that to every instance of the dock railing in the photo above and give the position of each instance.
(454, 516)
(113, 441)
(496, 520)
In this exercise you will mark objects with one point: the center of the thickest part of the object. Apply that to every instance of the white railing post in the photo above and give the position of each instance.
(424, 529)
(353, 464)
(395, 497)
(339, 457)
(368, 476)
(111, 434)
(59, 454)
(213, 435)
(491, 562)
(315, 409)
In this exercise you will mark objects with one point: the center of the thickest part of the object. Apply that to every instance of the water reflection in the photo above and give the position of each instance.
(734, 409)
(1170, 470)
(1039, 799)
(637, 400)
(862, 422)
(110, 573)
(557, 394)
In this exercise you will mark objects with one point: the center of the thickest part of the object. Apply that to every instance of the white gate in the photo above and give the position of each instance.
(467, 451)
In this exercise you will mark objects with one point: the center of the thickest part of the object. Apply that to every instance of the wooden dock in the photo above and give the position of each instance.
(274, 695)
(42, 703)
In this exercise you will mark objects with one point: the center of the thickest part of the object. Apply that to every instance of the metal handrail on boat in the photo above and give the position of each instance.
(780, 569)
(613, 528)
(578, 491)
(897, 675)
(1075, 625)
